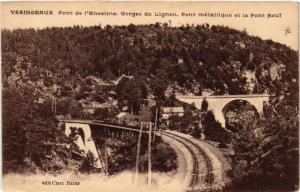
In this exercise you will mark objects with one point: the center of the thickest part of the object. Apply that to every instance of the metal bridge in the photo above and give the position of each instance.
(91, 130)
(202, 171)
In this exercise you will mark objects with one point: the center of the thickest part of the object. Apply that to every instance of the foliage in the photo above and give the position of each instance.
(212, 57)
(69, 106)
(164, 157)
(28, 129)
(102, 114)
(174, 120)
(204, 105)
(235, 113)
(213, 130)
(132, 91)
(209, 57)
(268, 150)
(156, 113)
(123, 155)
(15, 118)
(88, 165)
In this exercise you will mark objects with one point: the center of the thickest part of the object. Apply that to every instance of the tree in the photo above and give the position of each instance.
(131, 28)
(196, 131)
(39, 133)
(174, 120)
(102, 114)
(164, 158)
(133, 91)
(28, 128)
(268, 150)
(204, 105)
(14, 125)
(88, 164)
(213, 129)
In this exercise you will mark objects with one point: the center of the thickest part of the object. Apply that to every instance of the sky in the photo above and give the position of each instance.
(282, 29)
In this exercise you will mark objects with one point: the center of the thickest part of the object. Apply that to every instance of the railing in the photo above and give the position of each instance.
(104, 124)
(224, 96)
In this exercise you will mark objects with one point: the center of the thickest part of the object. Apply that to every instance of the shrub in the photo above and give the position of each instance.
(88, 164)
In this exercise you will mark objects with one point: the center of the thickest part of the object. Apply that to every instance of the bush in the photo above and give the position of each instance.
(88, 164)
(213, 129)
(164, 158)
(271, 157)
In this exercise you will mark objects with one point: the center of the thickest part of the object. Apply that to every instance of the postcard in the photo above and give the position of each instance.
(149, 96)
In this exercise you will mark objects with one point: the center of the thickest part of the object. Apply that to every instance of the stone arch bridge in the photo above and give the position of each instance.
(218, 103)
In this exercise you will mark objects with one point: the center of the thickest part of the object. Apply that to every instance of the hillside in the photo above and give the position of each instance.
(195, 58)
(98, 72)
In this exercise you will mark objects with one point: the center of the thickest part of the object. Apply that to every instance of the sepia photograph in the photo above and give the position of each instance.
(149, 96)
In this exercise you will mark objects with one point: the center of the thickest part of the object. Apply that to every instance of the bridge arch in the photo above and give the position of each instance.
(236, 105)
(216, 103)
(86, 142)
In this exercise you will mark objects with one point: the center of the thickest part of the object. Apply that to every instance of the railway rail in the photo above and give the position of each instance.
(202, 173)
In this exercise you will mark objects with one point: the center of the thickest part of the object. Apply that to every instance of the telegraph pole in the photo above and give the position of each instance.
(106, 158)
(149, 157)
(55, 105)
(155, 125)
(137, 155)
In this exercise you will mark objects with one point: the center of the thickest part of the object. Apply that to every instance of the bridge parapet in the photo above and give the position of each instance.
(217, 103)
(224, 96)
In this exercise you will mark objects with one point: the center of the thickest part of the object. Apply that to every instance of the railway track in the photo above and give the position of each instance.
(202, 173)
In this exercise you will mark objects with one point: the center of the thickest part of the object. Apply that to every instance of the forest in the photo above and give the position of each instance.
(213, 56)
(66, 64)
